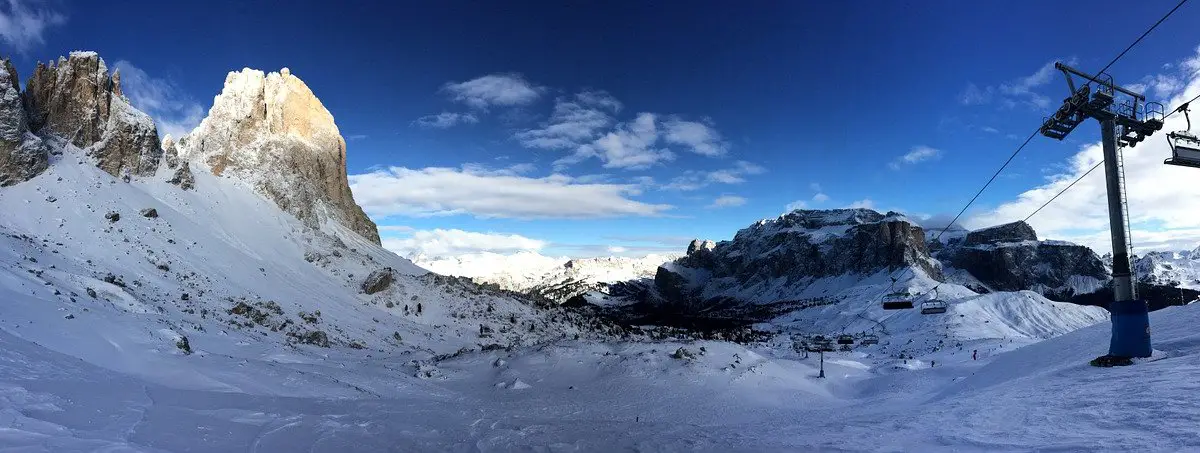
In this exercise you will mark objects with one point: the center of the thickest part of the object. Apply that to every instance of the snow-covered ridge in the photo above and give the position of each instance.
(1178, 268)
(530, 271)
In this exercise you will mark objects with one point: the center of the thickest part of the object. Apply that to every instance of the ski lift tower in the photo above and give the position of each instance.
(1126, 123)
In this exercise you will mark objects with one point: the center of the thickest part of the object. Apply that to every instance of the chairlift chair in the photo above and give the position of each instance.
(897, 301)
(1185, 146)
(869, 339)
(933, 307)
(845, 339)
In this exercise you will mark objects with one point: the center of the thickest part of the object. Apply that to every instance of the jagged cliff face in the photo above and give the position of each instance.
(1010, 258)
(272, 132)
(76, 99)
(777, 257)
(22, 154)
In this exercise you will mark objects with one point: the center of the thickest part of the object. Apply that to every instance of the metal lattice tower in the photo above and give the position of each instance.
(1134, 119)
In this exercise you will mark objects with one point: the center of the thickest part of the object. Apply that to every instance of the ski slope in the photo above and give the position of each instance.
(589, 396)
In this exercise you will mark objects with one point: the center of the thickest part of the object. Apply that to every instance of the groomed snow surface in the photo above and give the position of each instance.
(105, 373)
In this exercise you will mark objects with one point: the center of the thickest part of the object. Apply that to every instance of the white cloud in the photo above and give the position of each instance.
(494, 90)
(493, 193)
(820, 197)
(445, 120)
(865, 203)
(1162, 198)
(727, 201)
(629, 146)
(973, 95)
(916, 155)
(585, 126)
(695, 180)
(698, 137)
(439, 242)
(990, 130)
(575, 122)
(175, 112)
(617, 249)
(1022, 90)
(22, 26)
(798, 204)
(394, 228)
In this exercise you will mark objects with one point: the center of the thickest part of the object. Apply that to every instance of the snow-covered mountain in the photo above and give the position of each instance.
(242, 237)
(556, 279)
(1179, 268)
(804, 254)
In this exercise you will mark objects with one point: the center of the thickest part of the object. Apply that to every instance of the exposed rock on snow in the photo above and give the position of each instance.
(1010, 258)
(183, 177)
(379, 280)
(77, 100)
(272, 132)
(149, 213)
(22, 154)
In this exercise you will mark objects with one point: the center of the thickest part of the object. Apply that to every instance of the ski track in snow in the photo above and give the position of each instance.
(83, 374)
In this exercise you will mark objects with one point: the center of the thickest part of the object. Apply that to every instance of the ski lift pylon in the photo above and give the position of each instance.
(1185, 146)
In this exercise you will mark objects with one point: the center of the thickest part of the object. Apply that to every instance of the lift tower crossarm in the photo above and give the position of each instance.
(1091, 78)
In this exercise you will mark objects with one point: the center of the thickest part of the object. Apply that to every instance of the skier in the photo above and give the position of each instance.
(932, 363)
(975, 355)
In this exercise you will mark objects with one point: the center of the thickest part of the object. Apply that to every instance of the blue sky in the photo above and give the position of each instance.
(589, 128)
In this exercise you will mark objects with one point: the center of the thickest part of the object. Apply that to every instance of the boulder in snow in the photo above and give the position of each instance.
(150, 213)
(379, 280)
(183, 177)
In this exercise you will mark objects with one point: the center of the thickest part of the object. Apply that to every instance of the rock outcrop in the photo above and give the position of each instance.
(76, 99)
(22, 154)
(776, 258)
(1010, 258)
(272, 132)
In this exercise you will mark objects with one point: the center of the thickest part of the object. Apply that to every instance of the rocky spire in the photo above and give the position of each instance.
(271, 131)
(22, 154)
(77, 100)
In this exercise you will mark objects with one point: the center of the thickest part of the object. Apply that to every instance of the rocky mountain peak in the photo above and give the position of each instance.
(270, 130)
(75, 98)
(1010, 232)
(22, 154)
(700, 246)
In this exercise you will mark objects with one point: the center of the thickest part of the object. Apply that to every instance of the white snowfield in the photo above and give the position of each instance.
(90, 362)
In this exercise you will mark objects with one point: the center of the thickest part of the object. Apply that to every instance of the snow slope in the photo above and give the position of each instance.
(210, 249)
(595, 396)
